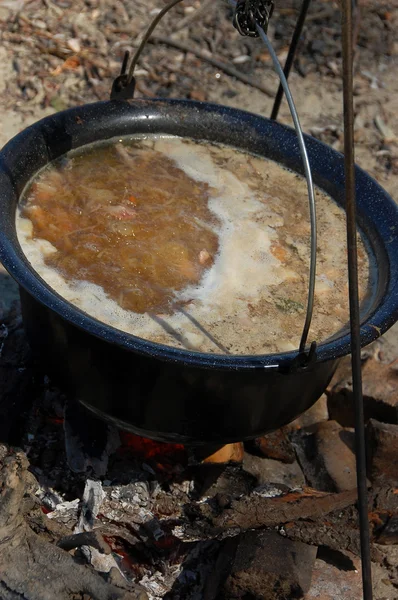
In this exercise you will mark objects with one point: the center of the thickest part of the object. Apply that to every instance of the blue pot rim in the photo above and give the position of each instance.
(375, 207)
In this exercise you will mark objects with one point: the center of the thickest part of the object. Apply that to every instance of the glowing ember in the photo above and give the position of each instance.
(146, 449)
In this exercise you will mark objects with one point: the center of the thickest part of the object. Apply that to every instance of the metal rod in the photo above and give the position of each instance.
(291, 54)
(310, 187)
(360, 448)
(147, 35)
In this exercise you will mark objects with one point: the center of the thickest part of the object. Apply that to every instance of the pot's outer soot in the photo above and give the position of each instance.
(158, 391)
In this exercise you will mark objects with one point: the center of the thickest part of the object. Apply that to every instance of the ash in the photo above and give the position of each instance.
(135, 493)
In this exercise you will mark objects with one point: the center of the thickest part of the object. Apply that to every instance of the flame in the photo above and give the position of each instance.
(127, 561)
(146, 449)
(55, 420)
(167, 542)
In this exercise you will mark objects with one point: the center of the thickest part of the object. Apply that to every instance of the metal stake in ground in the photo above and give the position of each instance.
(347, 50)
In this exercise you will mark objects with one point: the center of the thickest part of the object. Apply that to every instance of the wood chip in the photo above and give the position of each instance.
(387, 133)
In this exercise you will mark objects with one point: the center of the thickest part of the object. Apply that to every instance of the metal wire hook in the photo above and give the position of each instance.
(250, 13)
(124, 85)
(308, 176)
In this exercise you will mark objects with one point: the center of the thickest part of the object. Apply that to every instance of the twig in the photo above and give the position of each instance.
(51, 6)
(194, 15)
(160, 39)
(86, 538)
(357, 18)
(321, 14)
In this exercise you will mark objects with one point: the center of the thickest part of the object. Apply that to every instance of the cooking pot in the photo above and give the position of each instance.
(158, 391)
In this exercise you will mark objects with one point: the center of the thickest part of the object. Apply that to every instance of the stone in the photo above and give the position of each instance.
(384, 499)
(268, 566)
(384, 578)
(382, 444)
(389, 563)
(330, 582)
(389, 534)
(380, 382)
(316, 414)
(4, 13)
(266, 470)
(342, 373)
(198, 94)
(326, 455)
(274, 445)
(226, 481)
(380, 393)
(333, 580)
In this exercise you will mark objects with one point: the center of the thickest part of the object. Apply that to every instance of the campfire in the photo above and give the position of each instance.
(91, 508)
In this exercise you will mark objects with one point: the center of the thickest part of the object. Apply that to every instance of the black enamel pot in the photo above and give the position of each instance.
(158, 391)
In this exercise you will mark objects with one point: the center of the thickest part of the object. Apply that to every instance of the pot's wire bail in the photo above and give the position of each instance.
(251, 18)
(239, 7)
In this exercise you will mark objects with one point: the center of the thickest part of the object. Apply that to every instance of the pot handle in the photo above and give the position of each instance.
(123, 86)
(250, 18)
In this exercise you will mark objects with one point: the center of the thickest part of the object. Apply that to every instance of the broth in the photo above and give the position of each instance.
(188, 244)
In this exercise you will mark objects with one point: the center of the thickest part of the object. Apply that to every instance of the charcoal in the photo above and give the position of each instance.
(269, 566)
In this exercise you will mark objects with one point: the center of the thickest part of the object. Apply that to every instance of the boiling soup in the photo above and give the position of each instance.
(188, 244)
